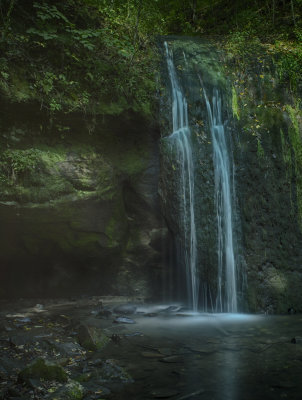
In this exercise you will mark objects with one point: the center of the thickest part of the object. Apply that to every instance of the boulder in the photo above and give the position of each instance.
(92, 338)
(71, 391)
(42, 369)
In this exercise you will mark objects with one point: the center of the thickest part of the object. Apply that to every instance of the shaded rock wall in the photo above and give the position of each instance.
(267, 151)
(79, 208)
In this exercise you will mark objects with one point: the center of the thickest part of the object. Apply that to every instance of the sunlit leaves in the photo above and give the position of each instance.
(103, 49)
(48, 12)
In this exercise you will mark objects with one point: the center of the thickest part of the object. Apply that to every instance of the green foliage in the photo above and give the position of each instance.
(99, 56)
(73, 391)
(16, 163)
(288, 60)
(243, 44)
(32, 175)
(80, 55)
(235, 107)
(286, 152)
(260, 150)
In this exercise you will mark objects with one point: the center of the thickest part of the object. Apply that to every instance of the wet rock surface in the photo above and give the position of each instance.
(262, 124)
(85, 217)
(166, 356)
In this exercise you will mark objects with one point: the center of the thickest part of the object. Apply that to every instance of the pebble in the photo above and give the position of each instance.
(23, 320)
(124, 320)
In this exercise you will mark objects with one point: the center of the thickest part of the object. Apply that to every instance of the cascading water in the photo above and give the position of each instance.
(226, 291)
(180, 139)
(203, 230)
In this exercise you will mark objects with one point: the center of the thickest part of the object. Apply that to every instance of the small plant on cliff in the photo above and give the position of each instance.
(288, 60)
(17, 163)
(243, 44)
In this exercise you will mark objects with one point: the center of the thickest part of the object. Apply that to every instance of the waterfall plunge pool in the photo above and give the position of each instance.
(175, 355)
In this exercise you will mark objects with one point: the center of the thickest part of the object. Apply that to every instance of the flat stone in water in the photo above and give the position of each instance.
(133, 334)
(124, 320)
(191, 395)
(170, 309)
(173, 359)
(164, 393)
(183, 315)
(125, 309)
(24, 320)
(166, 351)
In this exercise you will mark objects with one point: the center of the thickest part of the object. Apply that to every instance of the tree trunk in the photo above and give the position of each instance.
(193, 10)
(293, 11)
(139, 9)
(7, 19)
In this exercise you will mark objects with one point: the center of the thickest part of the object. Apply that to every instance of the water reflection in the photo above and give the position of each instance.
(212, 356)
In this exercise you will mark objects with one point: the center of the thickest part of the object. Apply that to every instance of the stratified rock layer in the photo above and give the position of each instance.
(79, 209)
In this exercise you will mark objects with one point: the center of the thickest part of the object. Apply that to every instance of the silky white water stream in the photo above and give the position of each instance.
(180, 139)
(226, 299)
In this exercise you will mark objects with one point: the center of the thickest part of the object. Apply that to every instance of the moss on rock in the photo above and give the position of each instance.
(268, 157)
(296, 144)
(41, 369)
(235, 104)
(92, 338)
(73, 390)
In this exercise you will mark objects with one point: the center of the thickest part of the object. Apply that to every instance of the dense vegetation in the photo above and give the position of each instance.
(98, 56)
(90, 55)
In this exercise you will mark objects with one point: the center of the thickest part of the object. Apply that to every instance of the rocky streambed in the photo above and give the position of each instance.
(110, 348)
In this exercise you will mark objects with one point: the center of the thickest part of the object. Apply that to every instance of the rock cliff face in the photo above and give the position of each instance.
(79, 208)
(263, 125)
(199, 72)
(267, 150)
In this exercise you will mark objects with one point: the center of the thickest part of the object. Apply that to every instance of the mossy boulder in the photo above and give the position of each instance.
(111, 372)
(42, 173)
(71, 391)
(92, 338)
(42, 369)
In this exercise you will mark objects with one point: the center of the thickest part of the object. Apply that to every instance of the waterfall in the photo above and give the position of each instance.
(226, 299)
(195, 226)
(180, 140)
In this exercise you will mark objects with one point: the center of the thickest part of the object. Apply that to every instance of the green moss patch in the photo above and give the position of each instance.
(38, 175)
(41, 369)
(92, 338)
(296, 143)
(235, 104)
(71, 391)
